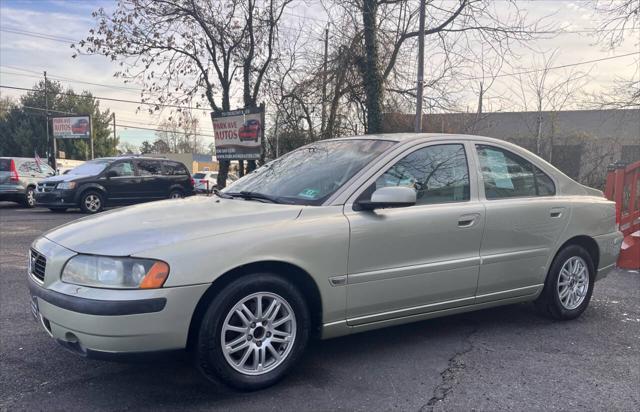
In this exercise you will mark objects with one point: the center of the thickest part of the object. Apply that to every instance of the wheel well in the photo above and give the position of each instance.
(299, 277)
(588, 244)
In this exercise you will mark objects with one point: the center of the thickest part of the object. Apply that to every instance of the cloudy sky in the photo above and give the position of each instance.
(35, 36)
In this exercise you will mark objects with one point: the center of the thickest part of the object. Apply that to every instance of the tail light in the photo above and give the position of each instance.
(193, 182)
(14, 176)
(203, 181)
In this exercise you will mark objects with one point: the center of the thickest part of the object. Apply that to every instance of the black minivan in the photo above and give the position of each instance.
(115, 181)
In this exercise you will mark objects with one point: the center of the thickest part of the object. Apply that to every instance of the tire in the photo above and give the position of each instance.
(176, 194)
(569, 284)
(255, 337)
(58, 209)
(29, 200)
(92, 202)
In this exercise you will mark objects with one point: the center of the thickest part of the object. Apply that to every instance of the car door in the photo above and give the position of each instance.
(121, 181)
(411, 260)
(524, 219)
(152, 185)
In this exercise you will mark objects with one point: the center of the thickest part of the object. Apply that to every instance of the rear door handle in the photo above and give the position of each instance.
(556, 212)
(468, 220)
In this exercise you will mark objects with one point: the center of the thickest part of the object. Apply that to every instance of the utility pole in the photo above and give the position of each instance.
(115, 139)
(324, 81)
(52, 160)
(420, 82)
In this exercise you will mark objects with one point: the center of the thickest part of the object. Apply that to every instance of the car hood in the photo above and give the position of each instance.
(127, 231)
(63, 178)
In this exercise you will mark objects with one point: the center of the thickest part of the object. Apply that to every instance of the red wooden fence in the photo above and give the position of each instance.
(623, 187)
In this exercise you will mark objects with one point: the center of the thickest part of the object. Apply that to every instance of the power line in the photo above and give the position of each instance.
(160, 130)
(175, 106)
(66, 79)
(37, 35)
(557, 67)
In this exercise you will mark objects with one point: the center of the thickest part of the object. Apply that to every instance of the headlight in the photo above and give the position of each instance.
(66, 185)
(116, 273)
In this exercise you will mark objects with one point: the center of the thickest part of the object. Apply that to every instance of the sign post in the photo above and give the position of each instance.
(239, 133)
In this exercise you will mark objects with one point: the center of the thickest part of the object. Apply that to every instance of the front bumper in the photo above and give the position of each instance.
(93, 321)
(58, 198)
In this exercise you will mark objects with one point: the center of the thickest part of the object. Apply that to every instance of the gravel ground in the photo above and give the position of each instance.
(498, 359)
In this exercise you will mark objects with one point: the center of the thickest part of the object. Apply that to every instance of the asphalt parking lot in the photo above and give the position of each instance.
(498, 359)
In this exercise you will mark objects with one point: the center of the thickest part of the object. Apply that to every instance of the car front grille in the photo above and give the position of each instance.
(37, 264)
(45, 187)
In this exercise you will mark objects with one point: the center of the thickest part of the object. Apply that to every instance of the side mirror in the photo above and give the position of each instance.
(386, 197)
(111, 173)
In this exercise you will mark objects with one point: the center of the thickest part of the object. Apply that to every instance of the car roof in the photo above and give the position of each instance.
(131, 157)
(409, 137)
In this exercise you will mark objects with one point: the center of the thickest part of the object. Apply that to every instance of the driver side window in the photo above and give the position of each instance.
(438, 174)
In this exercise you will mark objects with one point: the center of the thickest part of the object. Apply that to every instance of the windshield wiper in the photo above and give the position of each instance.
(221, 194)
(245, 194)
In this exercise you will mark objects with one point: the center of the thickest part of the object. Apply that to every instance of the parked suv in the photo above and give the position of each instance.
(115, 180)
(206, 181)
(18, 179)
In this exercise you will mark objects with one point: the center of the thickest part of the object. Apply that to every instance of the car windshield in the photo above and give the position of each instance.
(310, 174)
(199, 176)
(90, 168)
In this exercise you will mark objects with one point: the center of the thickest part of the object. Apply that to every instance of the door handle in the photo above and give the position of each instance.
(468, 220)
(556, 212)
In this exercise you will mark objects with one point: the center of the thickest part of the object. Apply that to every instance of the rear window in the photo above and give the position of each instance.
(5, 165)
(175, 169)
(199, 176)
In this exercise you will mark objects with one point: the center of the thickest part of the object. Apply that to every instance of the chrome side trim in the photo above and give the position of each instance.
(416, 310)
(518, 254)
(392, 273)
(503, 294)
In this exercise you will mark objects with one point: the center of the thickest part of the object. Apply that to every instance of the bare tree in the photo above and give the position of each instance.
(385, 26)
(189, 52)
(620, 21)
(542, 91)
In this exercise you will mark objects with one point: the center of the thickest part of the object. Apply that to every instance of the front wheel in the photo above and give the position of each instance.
(91, 202)
(569, 284)
(253, 332)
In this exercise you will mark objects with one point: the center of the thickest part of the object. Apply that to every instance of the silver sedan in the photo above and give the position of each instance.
(337, 237)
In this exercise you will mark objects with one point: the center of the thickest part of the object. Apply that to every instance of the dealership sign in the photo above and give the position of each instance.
(72, 127)
(238, 134)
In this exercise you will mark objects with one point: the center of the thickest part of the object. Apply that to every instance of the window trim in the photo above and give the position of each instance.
(382, 167)
(481, 186)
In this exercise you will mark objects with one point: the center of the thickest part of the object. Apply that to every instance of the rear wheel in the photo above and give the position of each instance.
(253, 332)
(29, 198)
(569, 284)
(176, 194)
(91, 202)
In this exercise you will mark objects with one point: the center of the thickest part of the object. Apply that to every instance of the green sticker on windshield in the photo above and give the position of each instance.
(309, 193)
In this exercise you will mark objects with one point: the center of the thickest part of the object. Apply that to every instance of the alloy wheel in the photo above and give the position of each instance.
(573, 282)
(258, 333)
(92, 203)
(31, 197)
